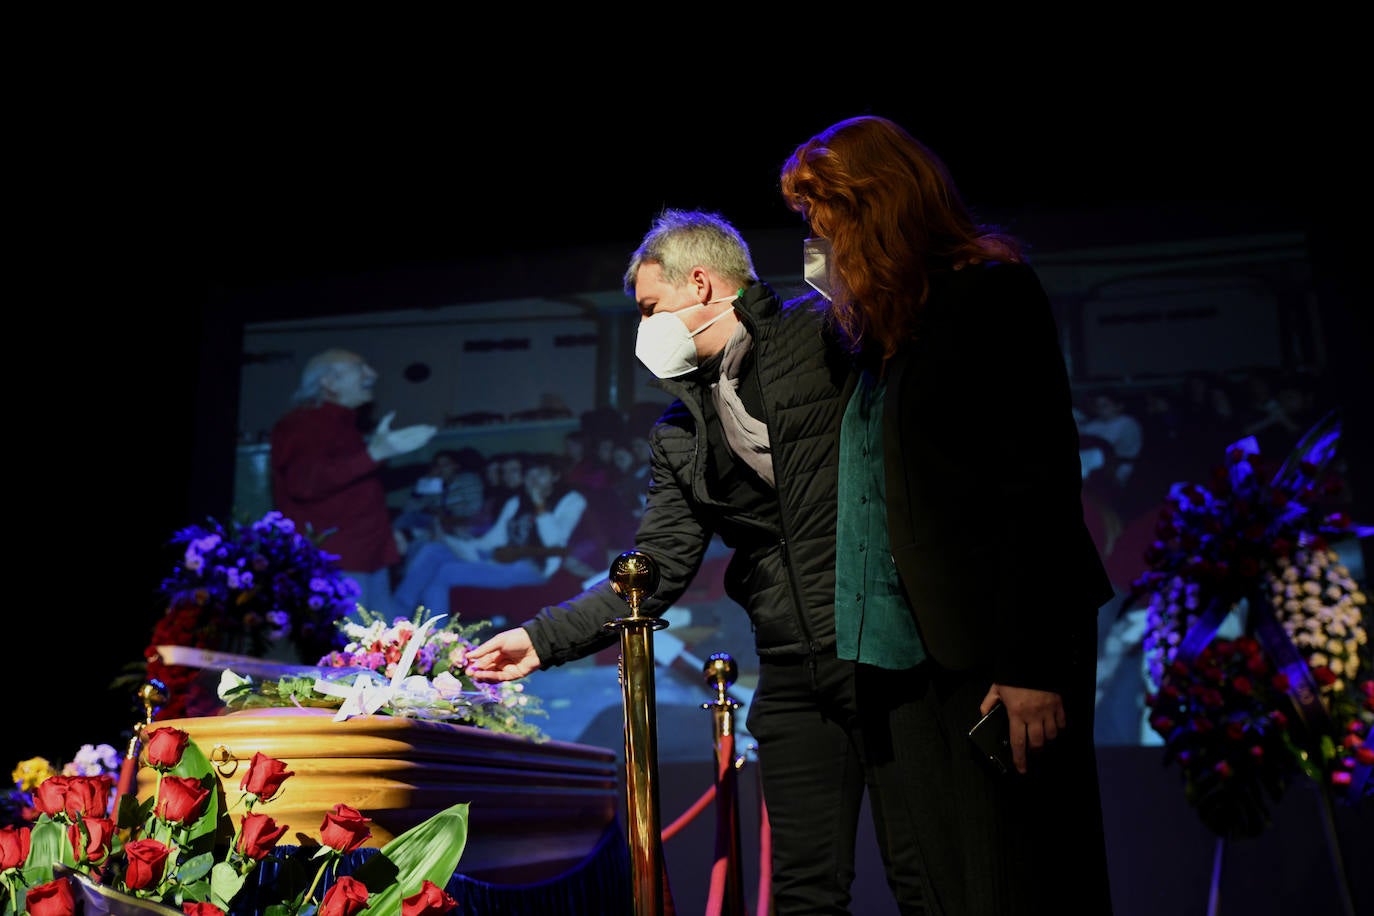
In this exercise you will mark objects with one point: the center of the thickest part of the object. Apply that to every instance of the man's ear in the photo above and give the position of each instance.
(701, 283)
(328, 390)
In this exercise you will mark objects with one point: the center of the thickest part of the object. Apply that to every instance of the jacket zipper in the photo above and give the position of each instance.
(798, 602)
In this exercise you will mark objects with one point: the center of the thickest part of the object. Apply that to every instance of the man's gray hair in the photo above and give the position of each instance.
(316, 368)
(680, 240)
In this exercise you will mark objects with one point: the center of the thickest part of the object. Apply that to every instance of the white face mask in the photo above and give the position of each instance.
(816, 265)
(665, 346)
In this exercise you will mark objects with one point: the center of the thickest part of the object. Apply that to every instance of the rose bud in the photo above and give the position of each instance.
(180, 799)
(147, 862)
(201, 909)
(264, 777)
(430, 900)
(345, 897)
(14, 847)
(50, 797)
(94, 846)
(259, 835)
(51, 899)
(88, 796)
(165, 747)
(344, 828)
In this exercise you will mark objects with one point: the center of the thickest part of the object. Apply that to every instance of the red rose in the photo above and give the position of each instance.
(344, 828)
(201, 909)
(180, 799)
(346, 897)
(430, 900)
(259, 834)
(50, 797)
(165, 747)
(94, 846)
(14, 847)
(147, 862)
(1324, 675)
(88, 796)
(51, 899)
(265, 776)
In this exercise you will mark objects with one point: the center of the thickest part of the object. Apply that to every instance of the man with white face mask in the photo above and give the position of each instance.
(748, 451)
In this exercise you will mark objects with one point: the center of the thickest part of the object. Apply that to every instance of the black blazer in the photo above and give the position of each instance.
(984, 500)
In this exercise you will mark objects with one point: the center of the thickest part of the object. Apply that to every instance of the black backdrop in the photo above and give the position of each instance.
(169, 215)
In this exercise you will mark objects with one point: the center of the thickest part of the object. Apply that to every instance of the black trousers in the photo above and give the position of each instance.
(956, 837)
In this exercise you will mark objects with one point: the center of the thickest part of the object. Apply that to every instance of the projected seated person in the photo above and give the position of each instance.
(448, 498)
(524, 546)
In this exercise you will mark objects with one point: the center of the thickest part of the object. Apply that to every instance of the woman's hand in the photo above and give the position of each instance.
(1034, 717)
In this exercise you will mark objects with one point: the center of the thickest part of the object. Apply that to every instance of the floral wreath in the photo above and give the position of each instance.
(1292, 695)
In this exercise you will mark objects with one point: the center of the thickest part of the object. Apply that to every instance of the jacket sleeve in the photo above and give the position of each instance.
(670, 533)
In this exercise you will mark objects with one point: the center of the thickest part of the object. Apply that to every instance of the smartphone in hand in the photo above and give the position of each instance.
(992, 736)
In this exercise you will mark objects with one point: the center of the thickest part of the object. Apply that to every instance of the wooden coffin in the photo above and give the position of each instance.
(536, 809)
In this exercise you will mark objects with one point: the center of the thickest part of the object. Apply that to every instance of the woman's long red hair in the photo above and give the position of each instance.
(893, 216)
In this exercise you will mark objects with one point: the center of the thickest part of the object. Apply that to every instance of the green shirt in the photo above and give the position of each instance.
(873, 623)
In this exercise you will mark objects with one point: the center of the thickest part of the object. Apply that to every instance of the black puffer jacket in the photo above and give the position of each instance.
(783, 570)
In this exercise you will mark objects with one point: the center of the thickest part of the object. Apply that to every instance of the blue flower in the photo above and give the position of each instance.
(258, 582)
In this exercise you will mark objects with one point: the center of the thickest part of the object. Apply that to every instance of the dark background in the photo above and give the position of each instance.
(166, 209)
(174, 177)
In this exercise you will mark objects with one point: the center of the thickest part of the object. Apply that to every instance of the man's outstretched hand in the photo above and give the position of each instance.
(388, 443)
(507, 656)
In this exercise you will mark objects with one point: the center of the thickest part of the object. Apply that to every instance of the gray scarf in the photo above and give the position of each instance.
(748, 437)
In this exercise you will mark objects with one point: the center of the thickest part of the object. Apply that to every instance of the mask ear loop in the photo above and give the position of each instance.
(712, 321)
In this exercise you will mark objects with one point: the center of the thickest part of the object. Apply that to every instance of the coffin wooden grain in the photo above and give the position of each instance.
(536, 809)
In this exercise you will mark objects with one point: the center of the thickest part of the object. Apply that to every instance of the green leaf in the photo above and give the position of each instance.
(131, 812)
(48, 846)
(213, 826)
(225, 882)
(195, 868)
(430, 849)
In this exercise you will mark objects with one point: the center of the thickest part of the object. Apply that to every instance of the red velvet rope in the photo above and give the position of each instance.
(725, 788)
(725, 792)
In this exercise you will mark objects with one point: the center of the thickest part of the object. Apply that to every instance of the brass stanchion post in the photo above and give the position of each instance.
(721, 671)
(153, 694)
(634, 576)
